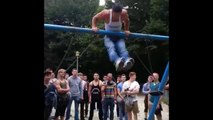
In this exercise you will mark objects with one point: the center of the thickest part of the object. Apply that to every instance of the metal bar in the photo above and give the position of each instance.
(104, 32)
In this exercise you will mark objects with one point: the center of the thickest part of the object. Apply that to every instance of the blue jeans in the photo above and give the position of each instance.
(77, 101)
(122, 112)
(116, 49)
(108, 103)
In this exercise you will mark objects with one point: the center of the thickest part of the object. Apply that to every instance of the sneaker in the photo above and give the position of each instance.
(129, 64)
(119, 64)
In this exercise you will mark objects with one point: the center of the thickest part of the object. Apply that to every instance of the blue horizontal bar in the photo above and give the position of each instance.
(103, 32)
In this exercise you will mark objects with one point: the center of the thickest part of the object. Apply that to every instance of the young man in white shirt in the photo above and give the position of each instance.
(130, 90)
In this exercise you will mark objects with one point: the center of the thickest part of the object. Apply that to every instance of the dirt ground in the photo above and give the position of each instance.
(165, 112)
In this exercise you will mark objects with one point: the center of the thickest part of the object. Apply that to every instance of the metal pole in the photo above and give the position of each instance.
(104, 32)
(77, 55)
(161, 88)
(77, 63)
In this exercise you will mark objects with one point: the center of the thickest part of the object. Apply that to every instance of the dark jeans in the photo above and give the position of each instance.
(117, 110)
(92, 107)
(82, 109)
(84, 103)
(146, 104)
(76, 100)
(122, 113)
(108, 103)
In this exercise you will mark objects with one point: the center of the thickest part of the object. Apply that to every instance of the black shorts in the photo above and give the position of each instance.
(158, 110)
(146, 104)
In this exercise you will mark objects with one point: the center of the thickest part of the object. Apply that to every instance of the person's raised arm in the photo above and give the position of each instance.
(126, 22)
(96, 18)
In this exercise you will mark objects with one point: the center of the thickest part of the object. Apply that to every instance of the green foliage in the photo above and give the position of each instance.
(159, 18)
(70, 13)
(156, 27)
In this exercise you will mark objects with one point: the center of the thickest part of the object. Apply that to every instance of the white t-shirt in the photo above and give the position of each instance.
(132, 87)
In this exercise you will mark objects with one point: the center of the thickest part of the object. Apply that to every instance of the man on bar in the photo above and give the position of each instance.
(115, 45)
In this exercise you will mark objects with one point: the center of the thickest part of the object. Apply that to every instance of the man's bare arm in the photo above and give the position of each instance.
(119, 93)
(126, 21)
(102, 91)
(59, 89)
(96, 18)
(89, 92)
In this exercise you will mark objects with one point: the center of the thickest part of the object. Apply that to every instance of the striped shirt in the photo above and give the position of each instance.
(109, 90)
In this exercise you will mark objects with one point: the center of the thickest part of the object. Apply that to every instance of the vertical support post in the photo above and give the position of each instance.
(77, 55)
(161, 88)
(77, 64)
